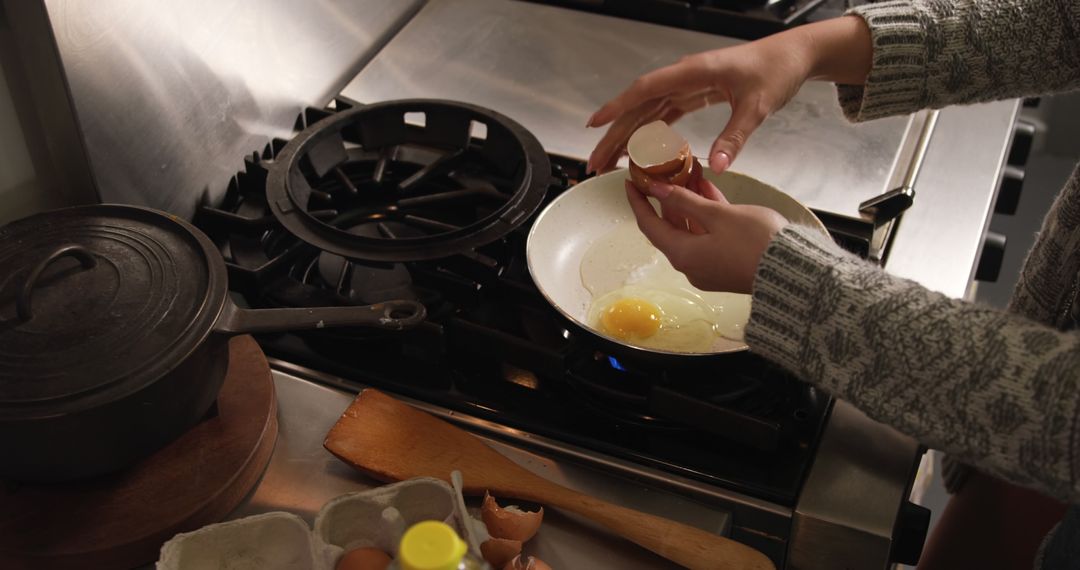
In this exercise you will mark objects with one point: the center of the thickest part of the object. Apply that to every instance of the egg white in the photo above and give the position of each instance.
(623, 264)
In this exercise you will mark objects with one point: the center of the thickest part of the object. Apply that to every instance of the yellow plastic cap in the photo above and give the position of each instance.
(431, 545)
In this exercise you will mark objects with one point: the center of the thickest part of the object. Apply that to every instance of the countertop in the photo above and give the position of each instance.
(302, 476)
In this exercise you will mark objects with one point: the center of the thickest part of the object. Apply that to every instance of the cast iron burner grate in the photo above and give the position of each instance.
(492, 346)
(407, 180)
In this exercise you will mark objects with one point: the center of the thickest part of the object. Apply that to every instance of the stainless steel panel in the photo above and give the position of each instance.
(550, 68)
(171, 96)
(857, 457)
(302, 476)
(31, 65)
(940, 237)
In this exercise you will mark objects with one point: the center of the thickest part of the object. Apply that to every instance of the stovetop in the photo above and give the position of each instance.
(492, 346)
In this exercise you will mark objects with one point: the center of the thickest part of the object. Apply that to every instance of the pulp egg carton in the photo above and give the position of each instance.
(280, 541)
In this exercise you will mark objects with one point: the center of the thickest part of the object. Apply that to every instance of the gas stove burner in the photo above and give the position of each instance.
(365, 283)
(424, 179)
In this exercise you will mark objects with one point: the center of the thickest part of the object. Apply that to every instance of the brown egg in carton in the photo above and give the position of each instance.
(376, 518)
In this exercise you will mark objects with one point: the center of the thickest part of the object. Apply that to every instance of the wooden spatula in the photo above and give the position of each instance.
(391, 441)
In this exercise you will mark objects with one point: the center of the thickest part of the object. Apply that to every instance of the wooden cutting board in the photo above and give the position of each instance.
(121, 520)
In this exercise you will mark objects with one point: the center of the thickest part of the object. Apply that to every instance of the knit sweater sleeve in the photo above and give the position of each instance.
(934, 53)
(996, 390)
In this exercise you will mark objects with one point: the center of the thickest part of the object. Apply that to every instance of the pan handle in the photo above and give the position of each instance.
(22, 303)
(390, 315)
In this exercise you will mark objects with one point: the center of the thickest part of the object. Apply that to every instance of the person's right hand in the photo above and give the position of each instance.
(756, 79)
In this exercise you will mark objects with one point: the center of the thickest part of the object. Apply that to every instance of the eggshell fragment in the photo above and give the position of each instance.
(657, 149)
(510, 522)
(528, 563)
(499, 551)
(641, 179)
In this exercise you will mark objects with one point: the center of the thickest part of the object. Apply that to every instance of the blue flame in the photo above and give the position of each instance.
(615, 363)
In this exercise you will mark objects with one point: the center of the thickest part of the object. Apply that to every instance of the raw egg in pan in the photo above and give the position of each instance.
(638, 298)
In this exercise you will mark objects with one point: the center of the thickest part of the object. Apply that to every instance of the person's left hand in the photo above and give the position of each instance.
(719, 245)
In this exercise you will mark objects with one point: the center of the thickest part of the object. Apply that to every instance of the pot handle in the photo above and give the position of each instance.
(390, 315)
(22, 303)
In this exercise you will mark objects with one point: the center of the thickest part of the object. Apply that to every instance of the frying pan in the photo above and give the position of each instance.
(565, 230)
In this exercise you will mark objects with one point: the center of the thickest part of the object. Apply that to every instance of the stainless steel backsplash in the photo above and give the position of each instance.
(170, 96)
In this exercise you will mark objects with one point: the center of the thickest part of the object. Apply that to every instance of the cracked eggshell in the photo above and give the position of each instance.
(510, 522)
(678, 177)
(500, 551)
(657, 148)
(657, 152)
(271, 541)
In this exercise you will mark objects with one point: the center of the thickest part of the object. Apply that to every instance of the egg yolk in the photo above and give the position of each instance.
(631, 318)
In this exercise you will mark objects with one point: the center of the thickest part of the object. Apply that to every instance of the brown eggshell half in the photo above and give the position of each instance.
(499, 551)
(507, 523)
(657, 148)
(640, 179)
(681, 177)
(671, 165)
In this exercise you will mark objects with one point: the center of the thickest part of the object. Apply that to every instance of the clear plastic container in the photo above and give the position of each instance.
(434, 545)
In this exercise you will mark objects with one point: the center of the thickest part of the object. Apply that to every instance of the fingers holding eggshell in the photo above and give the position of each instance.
(746, 117)
(705, 211)
(659, 232)
(613, 144)
(707, 189)
(667, 109)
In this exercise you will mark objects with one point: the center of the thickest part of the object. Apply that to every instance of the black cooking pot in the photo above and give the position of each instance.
(114, 323)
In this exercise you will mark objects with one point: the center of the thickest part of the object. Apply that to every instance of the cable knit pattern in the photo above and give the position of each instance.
(1000, 390)
(997, 389)
(1048, 283)
(933, 53)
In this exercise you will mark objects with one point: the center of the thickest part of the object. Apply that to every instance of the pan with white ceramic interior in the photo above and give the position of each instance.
(585, 253)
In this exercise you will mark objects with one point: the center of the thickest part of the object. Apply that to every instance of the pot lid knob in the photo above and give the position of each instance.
(22, 304)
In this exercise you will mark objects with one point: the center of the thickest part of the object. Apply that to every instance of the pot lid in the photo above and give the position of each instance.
(97, 301)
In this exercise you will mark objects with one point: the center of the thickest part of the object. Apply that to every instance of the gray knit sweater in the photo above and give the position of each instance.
(999, 390)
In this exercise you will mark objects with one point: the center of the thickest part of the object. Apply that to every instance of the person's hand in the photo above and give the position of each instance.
(722, 250)
(756, 79)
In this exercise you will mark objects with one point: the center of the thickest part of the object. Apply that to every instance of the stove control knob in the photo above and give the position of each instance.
(993, 254)
(1008, 198)
(1023, 137)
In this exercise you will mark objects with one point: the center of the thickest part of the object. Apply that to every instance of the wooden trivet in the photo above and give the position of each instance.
(121, 520)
